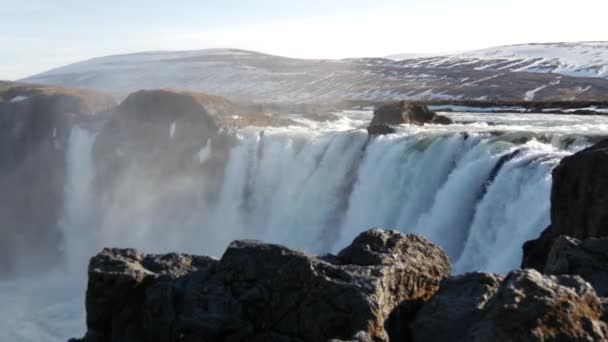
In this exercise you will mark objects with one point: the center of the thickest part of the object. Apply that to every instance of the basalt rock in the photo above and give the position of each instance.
(587, 258)
(403, 112)
(261, 292)
(456, 307)
(579, 202)
(525, 306)
(35, 126)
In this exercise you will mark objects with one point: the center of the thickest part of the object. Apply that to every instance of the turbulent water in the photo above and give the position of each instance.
(479, 190)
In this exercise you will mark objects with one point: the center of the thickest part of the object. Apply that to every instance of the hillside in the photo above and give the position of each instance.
(245, 75)
(584, 59)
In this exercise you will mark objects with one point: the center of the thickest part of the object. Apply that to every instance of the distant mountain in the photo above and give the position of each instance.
(494, 74)
(584, 59)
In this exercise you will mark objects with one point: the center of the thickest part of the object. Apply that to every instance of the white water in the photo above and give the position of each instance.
(314, 188)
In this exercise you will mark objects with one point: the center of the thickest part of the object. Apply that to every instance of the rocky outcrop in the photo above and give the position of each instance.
(35, 124)
(587, 258)
(152, 141)
(261, 292)
(579, 202)
(404, 112)
(456, 307)
(525, 306)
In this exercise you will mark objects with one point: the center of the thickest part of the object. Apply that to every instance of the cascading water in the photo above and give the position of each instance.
(479, 191)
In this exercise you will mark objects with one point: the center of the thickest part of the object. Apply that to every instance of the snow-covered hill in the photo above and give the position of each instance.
(584, 59)
(494, 74)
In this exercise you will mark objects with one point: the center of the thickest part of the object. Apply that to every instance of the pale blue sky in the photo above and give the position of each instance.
(39, 35)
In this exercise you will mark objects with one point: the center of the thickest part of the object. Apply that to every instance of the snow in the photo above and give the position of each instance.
(581, 59)
(531, 93)
(249, 75)
(18, 99)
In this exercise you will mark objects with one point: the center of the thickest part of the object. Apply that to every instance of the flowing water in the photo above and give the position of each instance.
(478, 190)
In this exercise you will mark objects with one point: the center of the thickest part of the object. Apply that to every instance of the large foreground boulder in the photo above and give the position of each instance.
(35, 126)
(403, 112)
(587, 258)
(525, 306)
(579, 202)
(261, 292)
(456, 307)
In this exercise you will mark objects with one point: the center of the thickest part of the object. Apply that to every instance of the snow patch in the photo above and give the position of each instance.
(532, 93)
(18, 99)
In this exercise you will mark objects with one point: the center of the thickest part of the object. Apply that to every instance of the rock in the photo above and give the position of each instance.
(404, 112)
(579, 202)
(442, 120)
(157, 135)
(380, 129)
(531, 307)
(35, 126)
(455, 308)
(261, 292)
(525, 306)
(587, 258)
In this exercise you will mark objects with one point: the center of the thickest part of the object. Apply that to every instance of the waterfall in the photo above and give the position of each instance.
(478, 195)
(76, 221)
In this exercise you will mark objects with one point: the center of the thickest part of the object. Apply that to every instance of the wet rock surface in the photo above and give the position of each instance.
(261, 292)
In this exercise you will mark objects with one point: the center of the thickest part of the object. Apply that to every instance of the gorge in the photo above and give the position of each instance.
(162, 173)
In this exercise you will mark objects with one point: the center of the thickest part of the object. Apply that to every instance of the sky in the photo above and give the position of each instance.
(37, 35)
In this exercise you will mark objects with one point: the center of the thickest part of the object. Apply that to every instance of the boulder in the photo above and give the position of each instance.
(35, 126)
(579, 202)
(456, 307)
(261, 292)
(404, 112)
(525, 306)
(529, 306)
(587, 258)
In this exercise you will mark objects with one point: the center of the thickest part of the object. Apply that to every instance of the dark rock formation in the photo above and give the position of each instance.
(579, 202)
(157, 135)
(525, 306)
(404, 112)
(380, 129)
(442, 120)
(456, 307)
(35, 124)
(587, 258)
(261, 292)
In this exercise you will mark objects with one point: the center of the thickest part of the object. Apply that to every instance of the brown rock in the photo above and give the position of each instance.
(531, 307)
(403, 112)
(525, 306)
